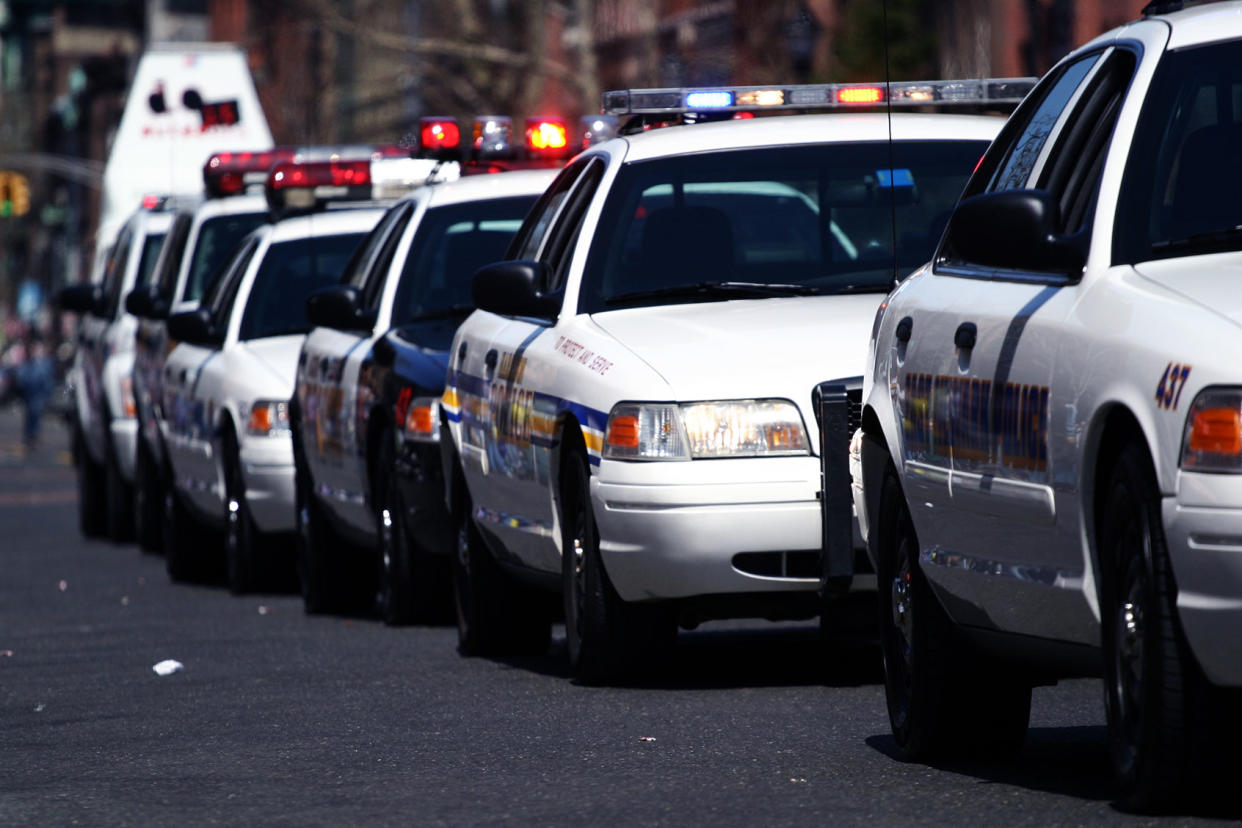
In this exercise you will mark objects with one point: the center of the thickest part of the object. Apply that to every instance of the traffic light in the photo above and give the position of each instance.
(14, 194)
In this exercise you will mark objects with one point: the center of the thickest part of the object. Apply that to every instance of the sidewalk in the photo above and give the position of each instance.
(49, 461)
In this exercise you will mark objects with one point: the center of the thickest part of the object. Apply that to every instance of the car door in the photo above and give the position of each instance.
(328, 371)
(191, 414)
(512, 482)
(976, 382)
(93, 345)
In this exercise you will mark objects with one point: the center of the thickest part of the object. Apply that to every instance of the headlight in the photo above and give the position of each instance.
(422, 420)
(1212, 440)
(268, 418)
(738, 428)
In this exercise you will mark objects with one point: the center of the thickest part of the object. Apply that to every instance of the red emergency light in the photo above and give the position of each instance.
(438, 136)
(547, 136)
(860, 95)
(229, 173)
(302, 186)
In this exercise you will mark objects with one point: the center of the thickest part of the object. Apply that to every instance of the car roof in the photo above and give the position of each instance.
(330, 222)
(232, 206)
(1204, 24)
(490, 185)
(795, 130)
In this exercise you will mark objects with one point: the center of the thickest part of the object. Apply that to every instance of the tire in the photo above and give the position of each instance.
(92, 507)
(317, 578)
(943, 701)
(148, 501)
(411, 586)
(187, 546)
(1157, 700)
(606, 637)
(495, 615)
(119, 500)
(241, 538)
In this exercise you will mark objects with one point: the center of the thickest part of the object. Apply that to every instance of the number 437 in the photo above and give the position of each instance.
(1172, 381)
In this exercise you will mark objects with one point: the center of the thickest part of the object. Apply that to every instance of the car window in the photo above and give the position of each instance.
(216, 239)
(534, 229)
(290, 271)
(1181, 193)
(222, 293)
(377, 275)
(169, 263)
(563, 239)
(451, 243)
(146, 263)
(361, 265)
(1024, 149)
(114, 270)
(809, 219)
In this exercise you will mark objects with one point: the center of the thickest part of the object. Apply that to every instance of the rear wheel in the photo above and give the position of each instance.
(411, 583)
(148, 501)
(942, 700)
(319, 584)
(495, 614)
(187, 542)
(119, 499)
(1158, 702)
(91, 503)
(606, 637)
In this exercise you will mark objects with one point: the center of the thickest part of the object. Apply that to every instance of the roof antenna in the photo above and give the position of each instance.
(892, 173)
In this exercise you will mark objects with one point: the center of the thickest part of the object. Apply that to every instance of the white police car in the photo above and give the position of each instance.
(105, 429)
(364, 488)
(228, 383)
(1048, 466)
(630, 411)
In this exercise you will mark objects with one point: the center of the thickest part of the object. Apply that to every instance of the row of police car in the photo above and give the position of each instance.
(975, 371)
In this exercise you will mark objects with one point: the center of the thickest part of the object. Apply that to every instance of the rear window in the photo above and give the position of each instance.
(290, 271)
(810, 220)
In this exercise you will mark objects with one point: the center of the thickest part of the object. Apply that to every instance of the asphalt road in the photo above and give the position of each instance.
(278, 718)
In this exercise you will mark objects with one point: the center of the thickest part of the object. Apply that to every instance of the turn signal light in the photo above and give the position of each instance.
(1216, 431)
(623, 432)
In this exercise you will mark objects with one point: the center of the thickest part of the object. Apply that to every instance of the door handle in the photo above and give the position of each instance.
(904, 328)
(965, 336)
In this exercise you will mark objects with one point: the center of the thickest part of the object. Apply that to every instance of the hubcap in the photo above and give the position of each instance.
(1129, 661)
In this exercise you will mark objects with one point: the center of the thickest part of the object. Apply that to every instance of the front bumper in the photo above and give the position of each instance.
(124, 433)
(267, 466)
(675, 529)
(1205, 549)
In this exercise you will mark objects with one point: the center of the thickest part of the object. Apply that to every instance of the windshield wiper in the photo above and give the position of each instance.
(450, 312)
(713, 290)
(1215, 241)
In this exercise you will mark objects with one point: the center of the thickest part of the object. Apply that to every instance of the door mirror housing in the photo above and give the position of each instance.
(339, 306)
(146, 301)
(1014, 230)
(196, 328)
(513, 289)
(81, 298)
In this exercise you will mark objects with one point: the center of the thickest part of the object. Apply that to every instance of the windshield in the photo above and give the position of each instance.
(289, 273)
(216, 239)
(1182, 190)
(451, 243)
(802, 220)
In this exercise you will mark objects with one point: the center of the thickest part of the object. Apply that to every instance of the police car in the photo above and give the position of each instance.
(364, 415)
(199, 242)
(105, 429)
(628, 416)
(228, 382)
(1048, 465)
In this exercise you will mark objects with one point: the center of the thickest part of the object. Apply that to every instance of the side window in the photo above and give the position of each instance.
(114, 271)
(1025, 148)
(564, 235)
(378, 272)
(529, 240)
(360, 265)
(165, 276)
(223, 292)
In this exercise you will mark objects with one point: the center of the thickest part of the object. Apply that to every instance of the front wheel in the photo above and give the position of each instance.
(606, 637)
(241, 538)
(1156, 697)
(943, 700)
(119, 500)
(148, 501)
(91, 503)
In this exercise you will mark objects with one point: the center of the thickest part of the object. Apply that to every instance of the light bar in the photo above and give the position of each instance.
(547, 137)
(438, 137)
(231, 173)
(301, 186)
(492, 137)
(1001, 92)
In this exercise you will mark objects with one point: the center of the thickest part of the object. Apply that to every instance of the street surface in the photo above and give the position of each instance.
(278, 718)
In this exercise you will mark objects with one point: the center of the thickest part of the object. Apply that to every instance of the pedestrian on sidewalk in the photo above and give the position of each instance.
(35, 376)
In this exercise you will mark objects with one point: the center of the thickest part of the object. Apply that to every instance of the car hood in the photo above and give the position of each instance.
(749, 348)
(1210, 281)
(279, 355)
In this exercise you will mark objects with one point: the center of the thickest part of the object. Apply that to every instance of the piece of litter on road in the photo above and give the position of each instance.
(125, 600)
(167, 667)
(796, 779)
(63, 585)
(646, 738)
(39, 707)
(6, 653)
(264, 610)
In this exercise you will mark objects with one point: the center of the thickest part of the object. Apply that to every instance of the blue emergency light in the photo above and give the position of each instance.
(707, 99)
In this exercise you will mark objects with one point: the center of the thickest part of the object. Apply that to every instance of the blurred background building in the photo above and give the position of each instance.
(364, 70)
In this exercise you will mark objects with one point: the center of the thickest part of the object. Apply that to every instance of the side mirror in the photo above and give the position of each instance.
(512, 289)
(146, 301)
(338, 306)
(1015, 230)
(81, 298)
(194, 327)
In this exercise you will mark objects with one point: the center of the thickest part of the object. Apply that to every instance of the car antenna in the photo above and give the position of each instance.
(888, 109)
